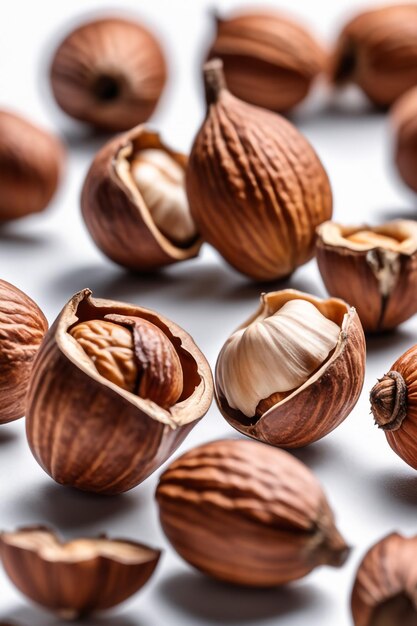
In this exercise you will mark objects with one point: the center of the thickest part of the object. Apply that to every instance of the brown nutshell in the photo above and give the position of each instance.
(22, 328)
(31, 164)
(109, 73)
(88, 431)
(248, 514)
(404, 127)
(269, 60)
(116, 214)
(374, 267)
(257, 189)
(76, 578)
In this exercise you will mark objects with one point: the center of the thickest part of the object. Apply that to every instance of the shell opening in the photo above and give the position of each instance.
(397, 610)
(107, 88)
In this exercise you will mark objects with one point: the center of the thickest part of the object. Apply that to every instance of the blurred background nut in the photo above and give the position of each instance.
(375, 267)
(123, 384)
(269, 60)
(394, 406)
(79, 577)
(257, 189)
(292, 372)
(404, 124)
(377, 50)
(384, 593)
(31, 163)
(248, 514)
(134, 203)
(109, 73)
(22, 327)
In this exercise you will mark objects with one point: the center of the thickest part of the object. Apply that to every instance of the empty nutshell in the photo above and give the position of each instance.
(269, 59)
(22, 328)
(248, 514)
(134, 203)
(293, 371)
(377, 50)
(31, 165)
(76, 578)
(404, 137)
(109, 73)
(114, 391)
(374, 267)
(384, 591)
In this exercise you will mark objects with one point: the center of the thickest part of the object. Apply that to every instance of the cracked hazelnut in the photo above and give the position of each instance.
(294, 371)
(134, 203)
(109, 73)
(114, 391)
(375, 268)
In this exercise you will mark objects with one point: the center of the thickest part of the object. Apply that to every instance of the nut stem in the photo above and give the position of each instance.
(389, 401)
(214, 80)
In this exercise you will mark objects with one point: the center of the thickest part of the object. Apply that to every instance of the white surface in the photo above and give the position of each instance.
(51, 257)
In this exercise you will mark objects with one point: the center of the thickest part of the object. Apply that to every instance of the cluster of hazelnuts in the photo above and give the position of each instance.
(112, 389)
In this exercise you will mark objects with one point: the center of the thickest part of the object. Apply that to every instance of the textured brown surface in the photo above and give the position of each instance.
(404, 123)
(248, 514)
(76, 588)
(385, 591)
(109, 73)
(326, 399)
(90, 434)
(22, 327)
(403, 436)
(269, 60)
(117, 217)
(256, 188)
(31, 162)
(353, 276)
(377, 50)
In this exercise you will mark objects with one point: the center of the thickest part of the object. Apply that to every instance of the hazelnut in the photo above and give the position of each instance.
(377, 50)
(394, 406)
(31, 162)
(22, 327)
(374, 267)
(248, 514)
(384, 593)
(294, 371)
(122, 384)
(256, 188)
(403, 120)
(134, 203)
(109, 73)
(269, 60)
(78, 577)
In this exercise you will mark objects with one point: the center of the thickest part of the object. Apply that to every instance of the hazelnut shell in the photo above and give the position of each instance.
(116, 214)
(404, 126)
(318, 406)
(88, 432)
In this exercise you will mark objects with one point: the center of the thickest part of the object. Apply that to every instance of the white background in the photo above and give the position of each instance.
(51, 257)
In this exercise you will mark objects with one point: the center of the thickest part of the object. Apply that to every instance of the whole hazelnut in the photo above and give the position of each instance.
(22, 328)
(110, 73)
(31, 163)
(114, 391)
(404, 125)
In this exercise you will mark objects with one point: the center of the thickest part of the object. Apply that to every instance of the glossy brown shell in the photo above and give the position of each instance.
(354, 275)
(404, 125)
(89, 433)
(31, 163)
(385, 586)
(269, 60)
(22, 328)
(73, 589)
(257, 189)
(326, 399)
(116, 214)
(377, 50)
(109, 73)
(248, 514)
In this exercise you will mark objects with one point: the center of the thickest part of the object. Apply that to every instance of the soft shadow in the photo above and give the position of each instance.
(399, 338)
(66, 508)
(6, 437)
(397, 486)
(316, 454)
(386, 215)
(15, 238)
(33, 616)
(225, 604)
